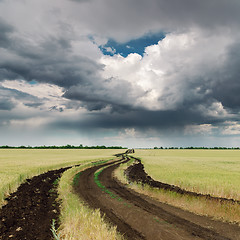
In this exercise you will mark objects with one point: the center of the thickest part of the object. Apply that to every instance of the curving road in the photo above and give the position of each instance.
(139, 217)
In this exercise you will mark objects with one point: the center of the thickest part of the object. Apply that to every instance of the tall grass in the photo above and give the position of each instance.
(77, 220)
(18, 164)
(214, 172)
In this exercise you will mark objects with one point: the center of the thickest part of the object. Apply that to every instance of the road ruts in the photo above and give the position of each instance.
(87, 189)
(139, 217)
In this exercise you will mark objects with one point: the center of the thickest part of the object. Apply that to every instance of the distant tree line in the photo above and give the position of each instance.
(68, 146)
(196, 148)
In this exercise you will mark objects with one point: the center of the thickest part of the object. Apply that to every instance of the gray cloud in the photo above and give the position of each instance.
(118, 94)
(57, 50)
(48, 59)
(13, 93)
(5, 30)
(56, 108)
(139, 119)
(6, 104)
(124, 20)
(203, 13)
(51, 63)
(227, 87)
(80, 1)
(33, 105)
(9, 99)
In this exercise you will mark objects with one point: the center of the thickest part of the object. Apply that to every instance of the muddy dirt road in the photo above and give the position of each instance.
(139, 217)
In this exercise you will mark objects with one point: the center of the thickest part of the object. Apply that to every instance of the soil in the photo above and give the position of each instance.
(139, 217)
(29, 211)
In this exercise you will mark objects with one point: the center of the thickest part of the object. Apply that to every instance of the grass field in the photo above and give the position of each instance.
(215, 172)
(207, 171)
(19, 164)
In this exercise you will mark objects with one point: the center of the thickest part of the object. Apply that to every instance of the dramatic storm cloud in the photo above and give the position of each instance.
(132, 73)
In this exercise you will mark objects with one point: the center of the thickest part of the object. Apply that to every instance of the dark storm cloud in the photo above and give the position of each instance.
(49, 63)
(227, 87)
(5, 31)
(149, 119)
(141, 119)
(94, 106)
(6, 104)
(52, 61)
(116, 93)
(62, 73)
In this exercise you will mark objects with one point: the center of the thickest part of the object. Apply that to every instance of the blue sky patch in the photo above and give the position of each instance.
(133, 46)
(33, 82)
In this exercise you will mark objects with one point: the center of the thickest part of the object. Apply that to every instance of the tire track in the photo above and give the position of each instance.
(87, 189)
(138, 217)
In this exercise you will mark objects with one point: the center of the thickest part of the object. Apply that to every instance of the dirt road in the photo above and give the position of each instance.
(139, 217)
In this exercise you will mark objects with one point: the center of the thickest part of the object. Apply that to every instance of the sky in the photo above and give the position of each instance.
(131, 73)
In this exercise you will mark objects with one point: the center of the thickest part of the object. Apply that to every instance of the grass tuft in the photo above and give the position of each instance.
(54, 231)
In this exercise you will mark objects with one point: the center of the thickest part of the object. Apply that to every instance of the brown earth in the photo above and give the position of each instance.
(139, 217)
(29, 211)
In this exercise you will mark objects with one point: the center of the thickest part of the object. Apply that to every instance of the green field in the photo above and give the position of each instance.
(215, 172)
(19, 164)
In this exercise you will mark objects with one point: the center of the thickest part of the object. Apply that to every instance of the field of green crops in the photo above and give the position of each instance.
(19, 164)
(215, 172)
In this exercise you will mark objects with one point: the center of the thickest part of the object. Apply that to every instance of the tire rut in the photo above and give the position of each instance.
(139, 217)
(88, 191)
(188, 226)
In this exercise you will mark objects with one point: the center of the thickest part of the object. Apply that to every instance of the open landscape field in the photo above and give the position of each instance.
(215, 172)
(96, 205)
